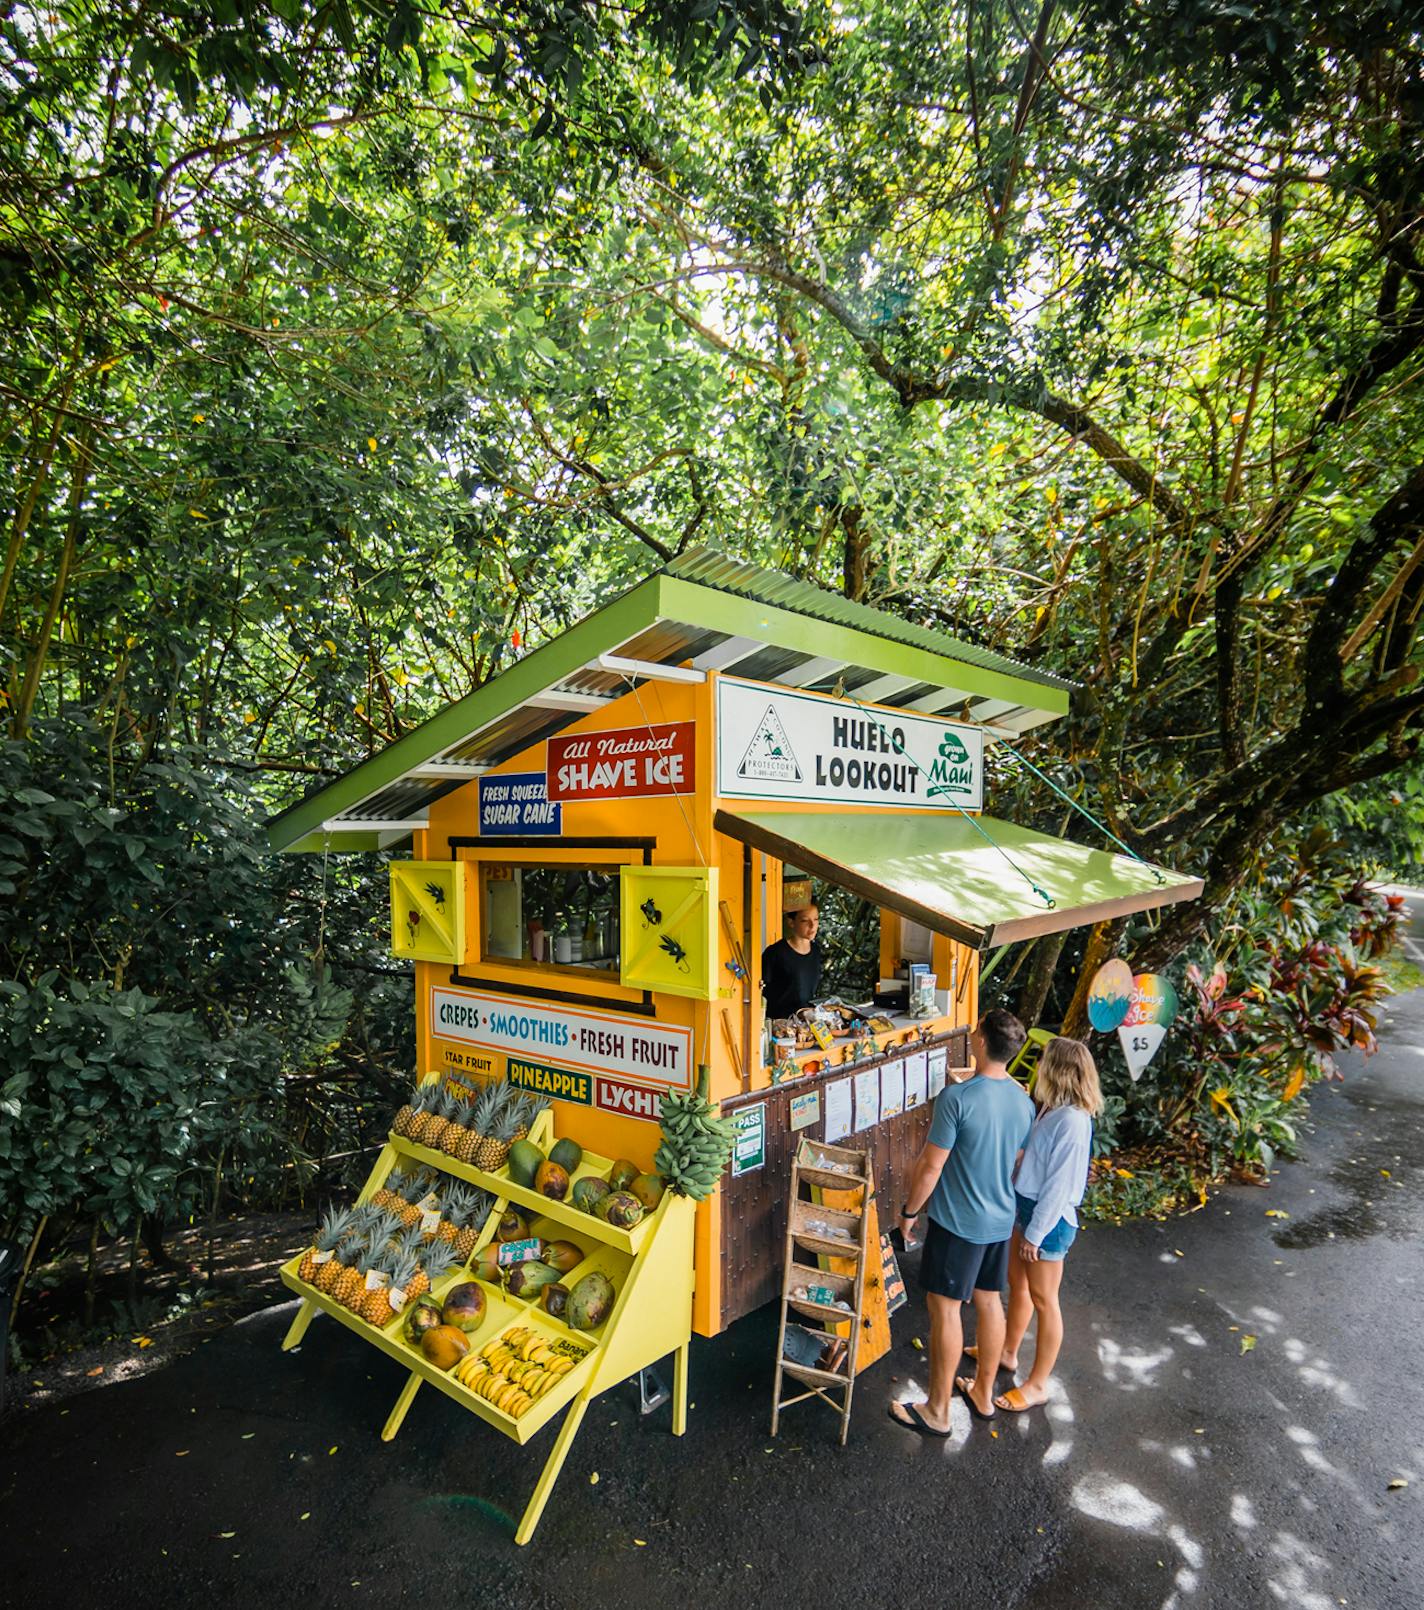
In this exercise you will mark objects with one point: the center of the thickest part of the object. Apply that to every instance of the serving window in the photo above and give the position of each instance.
(563, 915)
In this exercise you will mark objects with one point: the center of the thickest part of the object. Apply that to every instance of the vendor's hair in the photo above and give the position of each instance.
(1068, 1077)
(1003, 1035)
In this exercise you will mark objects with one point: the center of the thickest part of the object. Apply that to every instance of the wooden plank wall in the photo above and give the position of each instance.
(754, 1205)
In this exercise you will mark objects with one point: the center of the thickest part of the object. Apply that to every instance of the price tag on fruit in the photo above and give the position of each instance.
(515, 1252)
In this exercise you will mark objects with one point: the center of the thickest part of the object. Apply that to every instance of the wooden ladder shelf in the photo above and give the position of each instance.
(816, 1233)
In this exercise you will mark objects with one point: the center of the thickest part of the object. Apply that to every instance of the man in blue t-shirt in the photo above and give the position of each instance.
(965, 1176)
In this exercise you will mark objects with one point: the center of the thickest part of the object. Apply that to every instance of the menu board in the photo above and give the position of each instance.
(838, 1110)
(867, 1099)
(916, 1079)
(938, 1069)
(892, 1090)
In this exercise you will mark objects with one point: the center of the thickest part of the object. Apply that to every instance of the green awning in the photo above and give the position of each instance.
(942, 871)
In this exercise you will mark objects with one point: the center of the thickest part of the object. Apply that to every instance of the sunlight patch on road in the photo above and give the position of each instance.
(1130, 1370)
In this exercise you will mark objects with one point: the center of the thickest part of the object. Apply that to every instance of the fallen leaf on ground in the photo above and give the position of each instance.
(141, 1341)
(917, 1344)
(247, 1436)
(331, 1451)
(182, 1453)
(1248, 1344)
(1397, 1483)
(305, 1517)
(97, 1370)
(593, 1479)
(1384, 1173)
(1277, 1213)
(227, 1534)
(640, 1543)
(1178, 1253)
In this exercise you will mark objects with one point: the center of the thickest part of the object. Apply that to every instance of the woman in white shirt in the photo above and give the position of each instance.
(1052, 1176)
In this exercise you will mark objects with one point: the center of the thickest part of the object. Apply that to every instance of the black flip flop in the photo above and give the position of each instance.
(974, 1408)
(916, 1422)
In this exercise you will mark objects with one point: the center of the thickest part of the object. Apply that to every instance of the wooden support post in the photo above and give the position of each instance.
(305, 1314)
(403, 1402)
(550, 1474)
(679, 1389)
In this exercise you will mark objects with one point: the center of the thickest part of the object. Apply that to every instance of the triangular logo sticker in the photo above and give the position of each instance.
(770, 757)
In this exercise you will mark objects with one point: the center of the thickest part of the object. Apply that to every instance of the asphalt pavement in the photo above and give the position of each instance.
(1180, 1465)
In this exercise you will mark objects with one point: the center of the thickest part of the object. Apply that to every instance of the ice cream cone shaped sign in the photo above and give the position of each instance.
(1149, 1015)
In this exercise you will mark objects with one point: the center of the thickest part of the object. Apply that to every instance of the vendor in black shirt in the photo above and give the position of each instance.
(791, 968)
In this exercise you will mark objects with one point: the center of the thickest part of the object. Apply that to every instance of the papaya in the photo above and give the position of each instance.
(568, 1154)
(622, 1174)
(552, 1181)
(444, 1346)
(524, 1160)
(590, 1302)
(589, 1192)
(620, 1210)
(648, 1188)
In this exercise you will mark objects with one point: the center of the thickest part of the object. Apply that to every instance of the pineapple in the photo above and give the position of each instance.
(400, 1124)
(530, 1109)
(333, 1227)
(413, 1187)
(459, 1134)
(329, 1276)
(459, 1204)
(411, 1245)
(406, 1273)
(387, 1227)
(446, 1106)
(353, 1295)
(437, 1261)
(349, 1276)
(476, 1211)
(495, 1145)
(374, 1306)
(487, 1105)
(387, 1195)
(422, 1104)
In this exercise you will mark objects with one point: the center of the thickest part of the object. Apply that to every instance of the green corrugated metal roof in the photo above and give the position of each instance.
(710, 569)
(941, 870)
(697, 597)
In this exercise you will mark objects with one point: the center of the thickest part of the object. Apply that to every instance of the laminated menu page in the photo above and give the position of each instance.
(892, 1089)
(867, 1098)
(916, 1079)
(838, 1110)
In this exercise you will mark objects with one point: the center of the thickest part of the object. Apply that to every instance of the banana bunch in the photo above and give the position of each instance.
(513, 1371)
(696, 1142)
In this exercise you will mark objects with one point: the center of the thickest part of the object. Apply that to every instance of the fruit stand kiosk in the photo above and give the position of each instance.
(598, 837)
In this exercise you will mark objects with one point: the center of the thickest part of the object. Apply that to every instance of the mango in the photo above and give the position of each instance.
(465, 1306)
(513, 1226)
(524, 1160)
(620, 1210)
(552, 1181)
(590, 1302)
(568, 1154)
(622, 1174)
(444, 1346)
(424, 1315)
(648, 1188)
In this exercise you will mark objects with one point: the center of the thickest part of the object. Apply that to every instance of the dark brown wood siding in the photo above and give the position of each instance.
(754, 1205)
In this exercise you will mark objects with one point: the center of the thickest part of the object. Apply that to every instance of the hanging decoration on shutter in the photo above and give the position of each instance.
(670, 930)
(428, 900)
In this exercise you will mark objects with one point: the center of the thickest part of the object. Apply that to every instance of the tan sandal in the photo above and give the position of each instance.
(1006, 1401)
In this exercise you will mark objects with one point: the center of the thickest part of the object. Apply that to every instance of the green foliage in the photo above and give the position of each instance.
(160, 987)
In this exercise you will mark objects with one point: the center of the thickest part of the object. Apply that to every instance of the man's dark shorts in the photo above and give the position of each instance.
(953, 1267)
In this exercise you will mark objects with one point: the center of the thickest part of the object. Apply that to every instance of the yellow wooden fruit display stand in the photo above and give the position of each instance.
(650, 1267)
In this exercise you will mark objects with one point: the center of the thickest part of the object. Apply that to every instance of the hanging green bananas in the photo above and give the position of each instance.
(696, 1143)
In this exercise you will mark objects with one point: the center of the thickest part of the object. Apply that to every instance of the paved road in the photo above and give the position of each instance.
(1172, 1470)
